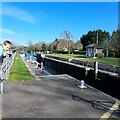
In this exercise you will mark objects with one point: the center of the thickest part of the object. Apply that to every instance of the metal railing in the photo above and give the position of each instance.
(5, 69)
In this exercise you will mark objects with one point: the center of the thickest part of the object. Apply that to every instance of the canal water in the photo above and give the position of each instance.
(33, 56)
(105, 84)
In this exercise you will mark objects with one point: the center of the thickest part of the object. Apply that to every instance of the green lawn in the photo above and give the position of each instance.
(19, 71)
(109, 60)
(67, 55)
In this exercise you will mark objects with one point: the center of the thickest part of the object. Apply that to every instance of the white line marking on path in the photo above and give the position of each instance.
(110, 111)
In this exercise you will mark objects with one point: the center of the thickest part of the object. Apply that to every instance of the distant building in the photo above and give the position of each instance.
(78, 46)
(92, 50)
(62, 45)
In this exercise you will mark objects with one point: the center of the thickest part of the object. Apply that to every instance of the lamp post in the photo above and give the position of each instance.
(108, 39)
(96, 45)
(107, 50)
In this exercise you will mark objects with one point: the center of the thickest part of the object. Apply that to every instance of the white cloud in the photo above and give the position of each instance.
(9, 32)
(13, 36)
(17, 13)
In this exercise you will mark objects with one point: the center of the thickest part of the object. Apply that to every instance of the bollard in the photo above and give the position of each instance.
(114, 70)
(96, 69)
(82, 84)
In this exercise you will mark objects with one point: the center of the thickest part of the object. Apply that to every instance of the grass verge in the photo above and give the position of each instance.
(107, 61)
(19, 71)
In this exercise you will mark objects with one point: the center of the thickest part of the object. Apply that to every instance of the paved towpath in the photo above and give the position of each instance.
(56, 97)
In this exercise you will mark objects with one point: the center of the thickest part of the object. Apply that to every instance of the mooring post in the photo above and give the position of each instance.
(96, 69)
(82, 84)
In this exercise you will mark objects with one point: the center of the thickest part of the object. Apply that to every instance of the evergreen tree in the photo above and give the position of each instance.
(93, 37)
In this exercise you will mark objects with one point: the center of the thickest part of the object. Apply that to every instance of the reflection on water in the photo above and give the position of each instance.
(28, 56)
(47, 70)
(34, 58)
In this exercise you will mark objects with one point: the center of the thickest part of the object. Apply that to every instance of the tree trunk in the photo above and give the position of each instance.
(68, 51)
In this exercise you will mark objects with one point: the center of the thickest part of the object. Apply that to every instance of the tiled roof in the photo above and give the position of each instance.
(94, 45)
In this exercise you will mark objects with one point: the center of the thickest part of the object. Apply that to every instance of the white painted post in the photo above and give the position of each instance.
(96, 68)
(41, 65)
(114, 69)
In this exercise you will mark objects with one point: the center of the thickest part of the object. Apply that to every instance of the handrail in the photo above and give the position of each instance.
(6, 65)
(5, 69)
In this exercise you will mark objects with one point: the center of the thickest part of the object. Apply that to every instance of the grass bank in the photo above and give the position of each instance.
(109, 60)
(67, 55)
(19, 71)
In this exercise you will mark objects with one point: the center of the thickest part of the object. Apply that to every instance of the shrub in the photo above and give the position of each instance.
(62, 52)
(99, 55)
(74, 52)
(117, 54)
(111, 54)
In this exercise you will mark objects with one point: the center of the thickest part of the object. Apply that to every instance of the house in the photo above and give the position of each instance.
(93, 49)
(77, 46)
(62, 45)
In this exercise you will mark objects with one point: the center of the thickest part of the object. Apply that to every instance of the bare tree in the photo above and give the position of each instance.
(68, 36)
(30, 46)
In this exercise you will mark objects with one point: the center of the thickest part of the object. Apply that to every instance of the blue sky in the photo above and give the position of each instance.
(44, 21)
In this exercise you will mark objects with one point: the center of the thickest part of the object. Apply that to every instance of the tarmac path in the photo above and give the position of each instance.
(55, 96)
